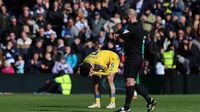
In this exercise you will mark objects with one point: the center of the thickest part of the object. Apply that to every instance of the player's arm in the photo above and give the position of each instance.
(125, 32)
(123, 36)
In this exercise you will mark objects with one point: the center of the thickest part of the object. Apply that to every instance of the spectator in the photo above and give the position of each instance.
(40, 20)
(51, 40)
(121, 6)
(91, 11)
(188, 15)
(98, 46)
(170, 40)
(148, 20)
(98, 8)
(9, 53)
(47, 63)
(110, 25)
(189, 33)
(39, 7)
(49, 49)
(35, 64)
(55, 16)
(180, 37)
(32, 26)
(77, 47)
(195, 50)
(7, 68)
(60, 45)
(75, 8)
(36, 48)
(109, 46)
(175, 23)
(62, 66)
(71, 58)
(19, 65)
(158, 9)
(178, 8)
(23, 43)
(67, 12)
(25, 15)
(168, 22)
(14, 26)
(69, 32)
(12, 38)
(182, 23)
(89, 48)
(4, 15)
(195, 7)
(196, 22)
(107, 9)
(170, 69)
(40, 35)
(46, 4)
(101, 37)
(184, 56)
(82, 26)
(49, 31)
(82, 9)
(152, 53)
(97, 24)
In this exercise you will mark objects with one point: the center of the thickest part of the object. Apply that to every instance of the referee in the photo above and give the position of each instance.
(132, 34)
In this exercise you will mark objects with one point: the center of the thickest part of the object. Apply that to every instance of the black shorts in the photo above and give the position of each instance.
(133, 65)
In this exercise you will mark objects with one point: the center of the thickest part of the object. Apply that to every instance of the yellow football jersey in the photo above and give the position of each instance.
(104, 62)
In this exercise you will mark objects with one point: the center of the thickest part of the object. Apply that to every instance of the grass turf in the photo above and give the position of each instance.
(79, 103)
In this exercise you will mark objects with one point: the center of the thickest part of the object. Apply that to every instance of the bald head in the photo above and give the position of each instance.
(132, 15)
(131, 12)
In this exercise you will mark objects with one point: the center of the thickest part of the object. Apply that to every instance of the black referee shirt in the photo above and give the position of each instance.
(133, 36)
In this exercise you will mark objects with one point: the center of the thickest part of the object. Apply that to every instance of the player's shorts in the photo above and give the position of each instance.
(133, 65)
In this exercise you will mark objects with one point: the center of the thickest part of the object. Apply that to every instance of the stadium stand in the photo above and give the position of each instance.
(36, 34)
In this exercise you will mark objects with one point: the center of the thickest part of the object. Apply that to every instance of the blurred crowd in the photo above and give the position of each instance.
(49, 36)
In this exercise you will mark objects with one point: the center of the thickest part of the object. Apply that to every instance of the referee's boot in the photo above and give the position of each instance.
(151, 105)
(124, 109)
(95, 105)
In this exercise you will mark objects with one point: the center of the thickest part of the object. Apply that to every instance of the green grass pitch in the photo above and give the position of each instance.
(79, 103)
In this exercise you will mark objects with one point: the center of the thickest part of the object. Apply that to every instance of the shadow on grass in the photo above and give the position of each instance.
(61, 108)
(44, 110)
(55, 108)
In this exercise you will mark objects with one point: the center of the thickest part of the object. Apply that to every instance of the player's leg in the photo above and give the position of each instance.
(110, 80)
(143, 92)
(97, 95)
(132, 68)
(130, 82)
(135, 92)
(48, 87)
(130, 86)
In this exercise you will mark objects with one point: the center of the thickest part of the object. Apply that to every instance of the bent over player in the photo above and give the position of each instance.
(98, 64)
